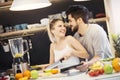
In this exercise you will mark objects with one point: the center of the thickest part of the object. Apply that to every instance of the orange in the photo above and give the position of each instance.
(54, 71)
(116, 64)
(27, 74)
(18, 76)
(24, 78)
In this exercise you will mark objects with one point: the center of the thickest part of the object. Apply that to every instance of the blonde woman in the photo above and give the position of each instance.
(63, 46)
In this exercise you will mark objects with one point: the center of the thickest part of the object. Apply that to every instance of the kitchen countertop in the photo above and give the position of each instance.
(81, 76)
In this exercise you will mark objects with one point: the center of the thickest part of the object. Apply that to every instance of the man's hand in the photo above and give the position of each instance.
(83, 67)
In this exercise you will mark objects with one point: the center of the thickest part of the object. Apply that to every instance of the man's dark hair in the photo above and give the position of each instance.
(78, 11)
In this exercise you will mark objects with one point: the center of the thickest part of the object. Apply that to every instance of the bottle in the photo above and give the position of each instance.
(5, 47)
(12, 77)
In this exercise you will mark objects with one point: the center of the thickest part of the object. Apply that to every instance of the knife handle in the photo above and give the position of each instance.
(67, 68)
(61, 59)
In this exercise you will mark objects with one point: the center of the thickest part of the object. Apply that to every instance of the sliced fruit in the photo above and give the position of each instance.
(96, 66)
(54, 71)
(47, 71)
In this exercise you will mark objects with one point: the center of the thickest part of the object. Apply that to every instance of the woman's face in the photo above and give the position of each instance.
(59, 29)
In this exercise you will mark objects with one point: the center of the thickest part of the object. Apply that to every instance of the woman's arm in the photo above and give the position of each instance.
(78, 49)
(51, 60)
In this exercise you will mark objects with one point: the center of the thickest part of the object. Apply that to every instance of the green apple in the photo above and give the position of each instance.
(108, 69)
(34, 74)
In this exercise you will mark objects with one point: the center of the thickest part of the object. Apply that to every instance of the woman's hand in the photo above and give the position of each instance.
(67, 56)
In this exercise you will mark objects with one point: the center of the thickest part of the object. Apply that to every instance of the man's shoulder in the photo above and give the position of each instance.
(96, 28)
(76, 35)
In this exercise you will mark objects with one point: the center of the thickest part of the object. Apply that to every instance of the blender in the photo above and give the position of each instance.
(17, 45)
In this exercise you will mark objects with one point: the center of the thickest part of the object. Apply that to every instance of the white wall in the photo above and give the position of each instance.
(113, 12)
(112, 8)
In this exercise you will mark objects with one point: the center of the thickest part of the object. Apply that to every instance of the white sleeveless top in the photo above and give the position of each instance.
(73, 60)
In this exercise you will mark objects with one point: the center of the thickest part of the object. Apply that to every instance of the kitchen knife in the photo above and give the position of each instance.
(73, 66)
(54, 64)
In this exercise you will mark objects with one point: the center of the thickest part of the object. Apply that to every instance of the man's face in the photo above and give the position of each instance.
(72, 23)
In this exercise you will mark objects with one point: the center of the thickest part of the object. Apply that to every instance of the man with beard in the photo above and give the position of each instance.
(91, 36)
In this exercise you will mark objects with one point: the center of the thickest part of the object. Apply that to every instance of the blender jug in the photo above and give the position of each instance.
(17, 50)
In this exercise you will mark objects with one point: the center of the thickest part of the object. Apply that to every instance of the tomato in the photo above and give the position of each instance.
(101, 71)
(94, 73)
(91, 73)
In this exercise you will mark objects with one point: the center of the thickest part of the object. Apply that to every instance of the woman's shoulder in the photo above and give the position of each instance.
(70, 38)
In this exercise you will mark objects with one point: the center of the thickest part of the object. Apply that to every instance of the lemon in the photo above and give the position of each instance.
(18, 55)
(47, 71)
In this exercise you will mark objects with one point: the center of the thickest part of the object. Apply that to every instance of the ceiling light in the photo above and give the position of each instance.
(21, 5)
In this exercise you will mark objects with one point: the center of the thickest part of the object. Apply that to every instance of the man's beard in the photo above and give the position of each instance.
(74, 29)
(71, 31)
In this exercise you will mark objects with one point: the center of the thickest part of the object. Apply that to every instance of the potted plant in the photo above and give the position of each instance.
(116, 44)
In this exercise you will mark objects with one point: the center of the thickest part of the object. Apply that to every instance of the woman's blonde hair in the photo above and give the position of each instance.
(50, 27)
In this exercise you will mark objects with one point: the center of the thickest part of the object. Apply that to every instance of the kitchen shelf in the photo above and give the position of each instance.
(21, 33)
(29, 32)
(99, 19)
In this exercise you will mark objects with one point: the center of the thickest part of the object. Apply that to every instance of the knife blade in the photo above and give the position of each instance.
(54, 64)
(67, 68)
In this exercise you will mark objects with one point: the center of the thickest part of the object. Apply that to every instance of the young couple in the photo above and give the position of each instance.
(89, 42)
